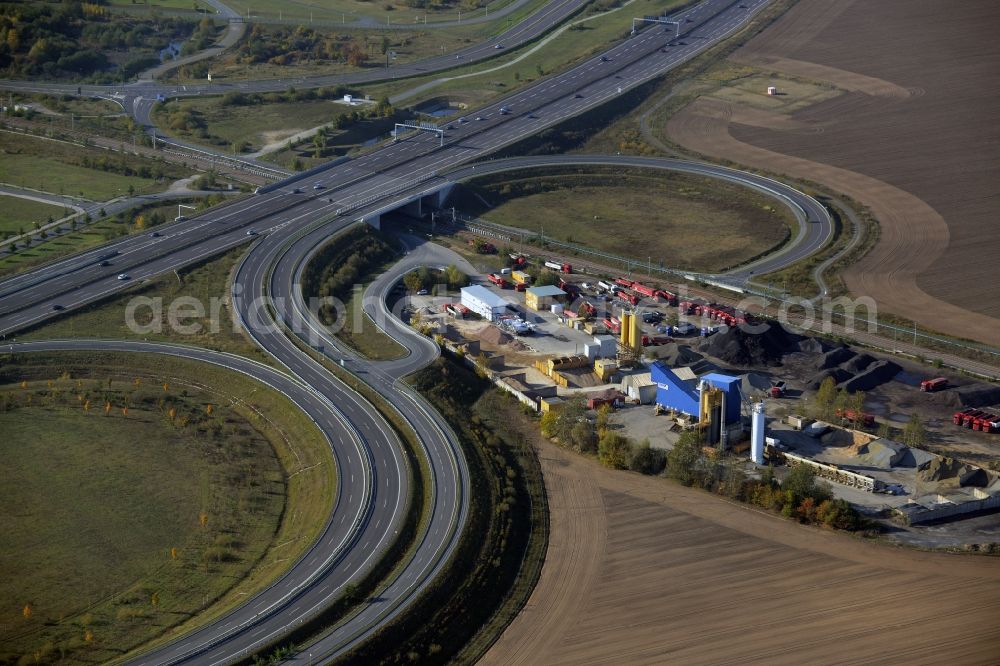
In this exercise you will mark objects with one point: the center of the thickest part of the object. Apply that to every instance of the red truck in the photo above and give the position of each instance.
(629, 297)
(517, 260)
(644, 290)
(969, 418)
(958, 417)
(984, 422)
(866, 419)
(936, 384)
(569, 288)
(613, 325)
(670, 298)
(623, 282)
(556, 266)
(498, 280)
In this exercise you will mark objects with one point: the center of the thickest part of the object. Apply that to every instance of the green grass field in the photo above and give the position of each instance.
(17, 215)
(396, 11)
(206, 283)
(99, 502)
(126, 489)
(57, 166)
(259, 124)
(686, 222)
(188, 5)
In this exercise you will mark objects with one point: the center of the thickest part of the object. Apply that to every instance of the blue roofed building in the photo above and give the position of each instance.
(677, 389)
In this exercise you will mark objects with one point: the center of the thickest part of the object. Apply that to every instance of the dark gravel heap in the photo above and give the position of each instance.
(764, 348)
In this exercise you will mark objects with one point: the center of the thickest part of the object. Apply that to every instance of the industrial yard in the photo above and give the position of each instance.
(667, 362)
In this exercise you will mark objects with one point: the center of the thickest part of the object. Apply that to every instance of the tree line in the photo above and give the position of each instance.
(82, 40)
(800, 496)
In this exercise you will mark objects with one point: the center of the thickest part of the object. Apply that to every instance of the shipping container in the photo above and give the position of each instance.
(520, 277)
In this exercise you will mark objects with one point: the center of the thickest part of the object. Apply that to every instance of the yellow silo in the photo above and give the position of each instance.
(635, 333)
(626, 332)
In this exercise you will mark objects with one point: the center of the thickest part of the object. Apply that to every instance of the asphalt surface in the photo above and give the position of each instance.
(365, 185)
(345, 193)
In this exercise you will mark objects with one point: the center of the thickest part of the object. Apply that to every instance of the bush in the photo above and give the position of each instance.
(647, 460)
(683, 459)
(614, 451)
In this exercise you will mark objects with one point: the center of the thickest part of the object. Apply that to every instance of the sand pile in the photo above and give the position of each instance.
(493, 335)
(948, 471)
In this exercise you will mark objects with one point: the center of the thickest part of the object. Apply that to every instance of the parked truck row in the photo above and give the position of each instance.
(977, 419)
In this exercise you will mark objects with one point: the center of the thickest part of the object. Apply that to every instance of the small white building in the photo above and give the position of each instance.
(607, 345)
(639, 387)
(483, 302)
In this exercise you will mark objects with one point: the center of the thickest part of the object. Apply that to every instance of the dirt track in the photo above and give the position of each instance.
(912, 139)
(641, 570)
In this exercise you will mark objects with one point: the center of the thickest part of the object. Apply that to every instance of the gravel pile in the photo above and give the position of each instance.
(739, 348)
(878, 373)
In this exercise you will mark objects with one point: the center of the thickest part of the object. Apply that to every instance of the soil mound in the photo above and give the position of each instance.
(676, 355)
(835, 357)
(858, 364)
(839, 375)
(952, 472)
(977, 395)
(878, 373)
(493, 335)
(737, 347)
(754, 383)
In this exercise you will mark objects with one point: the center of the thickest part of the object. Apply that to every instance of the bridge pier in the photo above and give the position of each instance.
(414, 208)
(443, 194)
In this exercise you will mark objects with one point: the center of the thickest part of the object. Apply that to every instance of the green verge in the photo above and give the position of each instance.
(64, 168)
(499, 556)
(306, 472)
(683, 221)
(206, 283)
(18, 215)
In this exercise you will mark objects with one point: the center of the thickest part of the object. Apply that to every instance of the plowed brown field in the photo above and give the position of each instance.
(916, 138)
(642, 571)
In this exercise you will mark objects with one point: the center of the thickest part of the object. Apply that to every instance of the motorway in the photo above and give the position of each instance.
(280, 218)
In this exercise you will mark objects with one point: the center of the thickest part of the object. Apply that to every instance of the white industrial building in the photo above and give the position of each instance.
(639, 387)
(483, 302)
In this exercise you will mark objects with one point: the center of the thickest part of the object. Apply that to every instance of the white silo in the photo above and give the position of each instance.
(757, 434)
